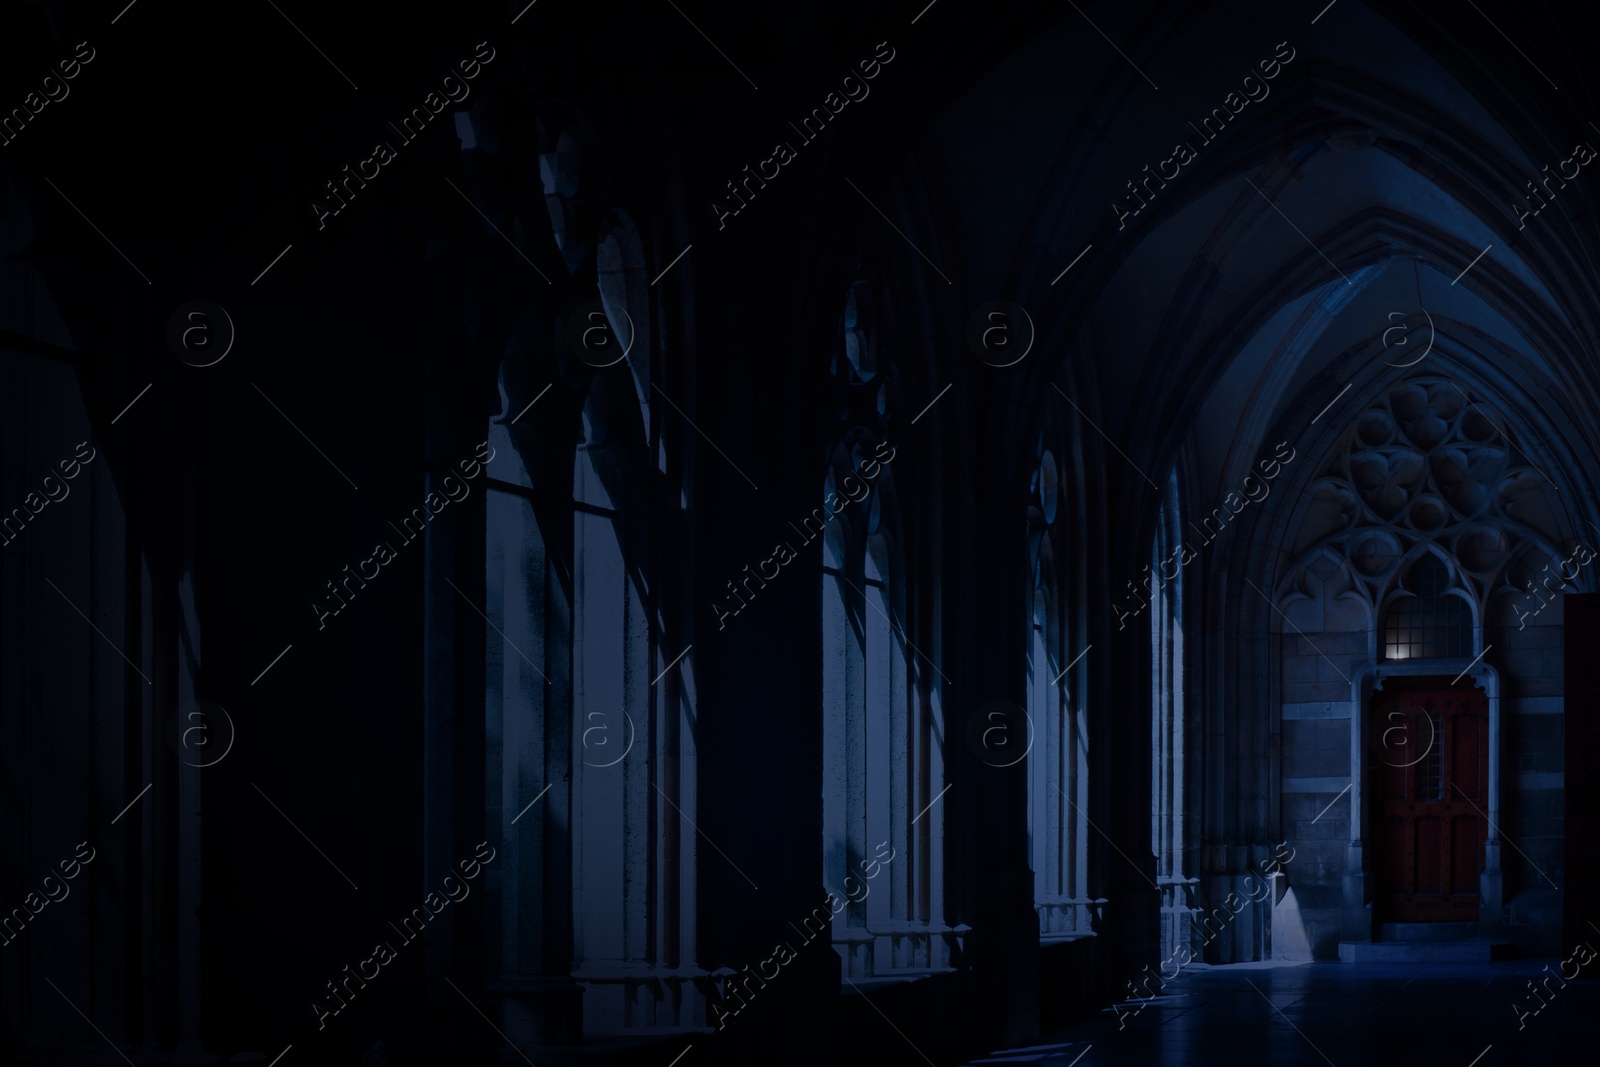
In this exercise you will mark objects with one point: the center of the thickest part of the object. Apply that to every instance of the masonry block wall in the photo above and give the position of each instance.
(1315, 770)
(1531, 658)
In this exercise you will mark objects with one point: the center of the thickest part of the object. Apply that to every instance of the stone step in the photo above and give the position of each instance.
(1462, 950)
(1427, 931)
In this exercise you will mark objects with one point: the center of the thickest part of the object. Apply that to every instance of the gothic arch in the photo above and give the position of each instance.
(882, 733)
(1424, 462)
(601, 701)
(1058, 768)
(1425, 465)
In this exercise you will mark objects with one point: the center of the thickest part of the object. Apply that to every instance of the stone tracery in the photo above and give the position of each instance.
(1428, 464)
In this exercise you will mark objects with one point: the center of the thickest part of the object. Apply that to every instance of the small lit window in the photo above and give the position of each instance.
(1427, 621)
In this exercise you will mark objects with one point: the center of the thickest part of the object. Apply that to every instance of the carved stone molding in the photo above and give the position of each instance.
(1429, 465)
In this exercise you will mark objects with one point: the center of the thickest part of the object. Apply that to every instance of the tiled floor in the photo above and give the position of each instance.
(1341, 1015)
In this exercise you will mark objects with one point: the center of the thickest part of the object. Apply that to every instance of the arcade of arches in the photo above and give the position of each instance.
(829, 654)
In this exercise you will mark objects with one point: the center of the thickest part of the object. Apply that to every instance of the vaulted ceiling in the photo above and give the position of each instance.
(1330, 226)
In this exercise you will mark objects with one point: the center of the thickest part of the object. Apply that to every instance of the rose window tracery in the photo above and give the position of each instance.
(1428, 465)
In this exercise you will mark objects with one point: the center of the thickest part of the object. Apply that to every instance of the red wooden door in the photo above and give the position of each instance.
(1429, 762)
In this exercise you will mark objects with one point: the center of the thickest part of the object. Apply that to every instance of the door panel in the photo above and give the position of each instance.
(1430, 785)
(1426, 855)
(1466, 850)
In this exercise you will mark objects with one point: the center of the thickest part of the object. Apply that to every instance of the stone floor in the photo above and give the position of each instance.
(1341, 1015)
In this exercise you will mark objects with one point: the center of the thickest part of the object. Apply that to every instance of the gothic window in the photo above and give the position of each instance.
(1167, 722)
(588, 694)
(865, 705)
(1058, 780)
(1426, 620)
(882, 764)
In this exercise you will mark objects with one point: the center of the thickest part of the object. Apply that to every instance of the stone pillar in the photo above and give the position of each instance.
(453, 700)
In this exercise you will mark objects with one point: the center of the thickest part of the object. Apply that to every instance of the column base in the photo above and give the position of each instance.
(1356, 924)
